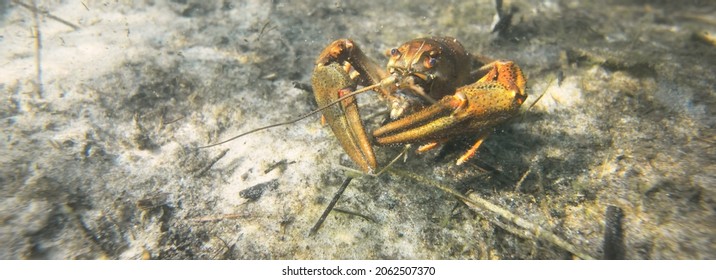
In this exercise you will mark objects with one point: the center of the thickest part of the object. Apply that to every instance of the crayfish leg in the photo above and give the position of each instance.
(428, 147)
(471, 152)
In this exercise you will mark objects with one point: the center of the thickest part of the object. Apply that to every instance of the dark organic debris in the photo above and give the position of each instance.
(503, 18)
(281, 165)
(255, 192)
(153, 201)
(613, 235)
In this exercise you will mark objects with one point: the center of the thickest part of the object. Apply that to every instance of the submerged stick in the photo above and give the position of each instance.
(613, 234)
(476, 202)
(34, 9)
(366, 217)
(38, 47)
(338, 194)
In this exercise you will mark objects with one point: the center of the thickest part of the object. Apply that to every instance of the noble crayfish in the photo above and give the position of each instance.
(435, 89)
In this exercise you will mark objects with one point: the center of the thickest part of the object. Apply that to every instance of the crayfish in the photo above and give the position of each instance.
(435, 89)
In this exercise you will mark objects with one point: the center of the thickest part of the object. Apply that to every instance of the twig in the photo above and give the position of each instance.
(613, 234)
(476, 202)
(172, 121)
(541, 95)
(261, 33)
(366, 217)
(38, 47)
(522, 179)
(282, 164)
(338, 194)
(213, 161)
(34, 9)
(218, 218)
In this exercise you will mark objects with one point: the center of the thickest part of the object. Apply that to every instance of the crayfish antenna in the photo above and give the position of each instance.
(385, 82)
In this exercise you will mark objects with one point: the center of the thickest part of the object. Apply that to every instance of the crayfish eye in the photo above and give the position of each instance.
(394, 52)
(430, 62)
